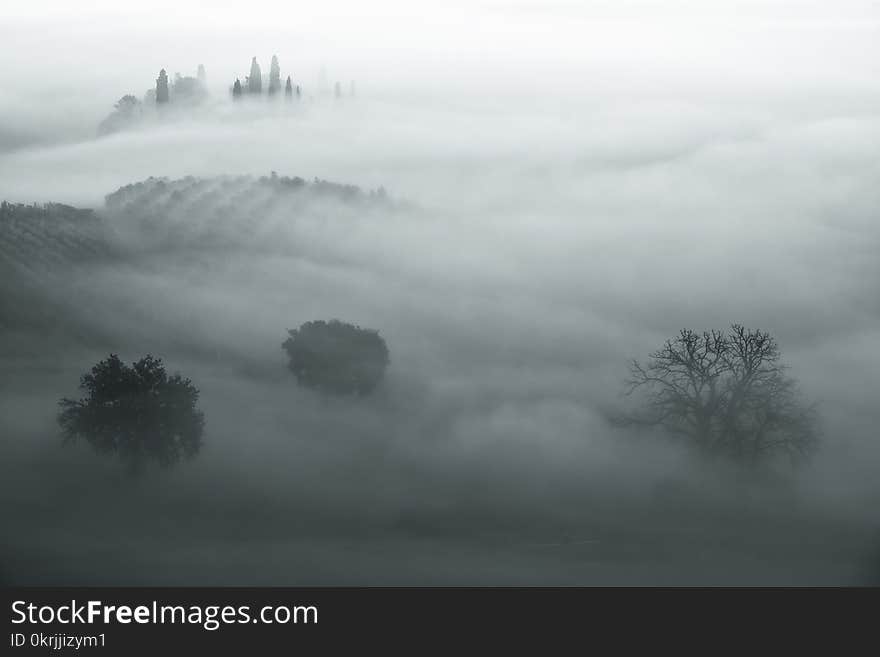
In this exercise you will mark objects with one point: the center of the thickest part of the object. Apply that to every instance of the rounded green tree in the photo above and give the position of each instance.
(138, 412)
(337, 357)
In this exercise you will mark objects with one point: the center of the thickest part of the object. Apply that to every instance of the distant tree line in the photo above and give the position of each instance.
(167, 191)
(39, 211)
(253, 82)
(189, 90)
(183, 90)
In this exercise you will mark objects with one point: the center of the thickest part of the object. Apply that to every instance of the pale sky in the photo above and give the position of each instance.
(727, 33)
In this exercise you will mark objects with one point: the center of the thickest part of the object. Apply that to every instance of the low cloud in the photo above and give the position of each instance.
(532, 245)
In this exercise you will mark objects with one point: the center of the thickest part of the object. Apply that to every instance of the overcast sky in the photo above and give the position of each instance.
(686, 35)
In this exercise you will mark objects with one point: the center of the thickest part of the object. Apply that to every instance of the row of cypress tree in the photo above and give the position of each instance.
(254, 81)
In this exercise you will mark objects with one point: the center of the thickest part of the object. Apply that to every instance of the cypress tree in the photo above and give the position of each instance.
(255, 81)
(274, 76)
(162, 87)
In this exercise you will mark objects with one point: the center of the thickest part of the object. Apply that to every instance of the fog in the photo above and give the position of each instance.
(568, 185)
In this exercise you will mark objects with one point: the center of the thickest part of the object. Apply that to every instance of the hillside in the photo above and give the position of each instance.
(239, 212)
(61, 267)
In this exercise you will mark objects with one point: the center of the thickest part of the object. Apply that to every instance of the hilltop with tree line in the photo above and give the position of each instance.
(189, 91)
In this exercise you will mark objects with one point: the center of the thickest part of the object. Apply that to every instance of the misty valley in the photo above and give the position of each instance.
(515, 296)
(461, 466)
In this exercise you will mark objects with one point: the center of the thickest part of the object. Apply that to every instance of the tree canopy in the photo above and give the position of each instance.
(336, 357)
(138, 412)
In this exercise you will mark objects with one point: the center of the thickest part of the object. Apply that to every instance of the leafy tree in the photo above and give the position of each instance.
(288, 88)
(187, 89)
(162, 87)
(236, 89)
(336, 357)
(725, 393)
(255, 80)
(127, 111)
(137, 412)
(127, 104)
(274, 76)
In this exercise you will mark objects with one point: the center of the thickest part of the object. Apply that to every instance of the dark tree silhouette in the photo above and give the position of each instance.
(288, 89)
(236, 89)
(255, 80)
(337, 357)
(162, 87)
(137, 412)
(298, 92)
(725, 393)
(274, 76)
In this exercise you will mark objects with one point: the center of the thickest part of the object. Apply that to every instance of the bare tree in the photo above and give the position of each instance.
(725, 393)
